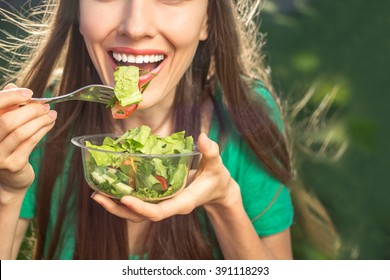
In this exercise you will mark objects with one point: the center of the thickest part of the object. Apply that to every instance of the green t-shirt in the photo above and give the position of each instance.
(266, 201)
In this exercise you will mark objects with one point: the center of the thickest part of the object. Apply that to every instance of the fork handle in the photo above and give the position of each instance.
(38, 100)
(50, 100)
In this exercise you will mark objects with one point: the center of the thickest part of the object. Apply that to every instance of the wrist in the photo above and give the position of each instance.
(10, 196)
(231, 199)
(17, 182)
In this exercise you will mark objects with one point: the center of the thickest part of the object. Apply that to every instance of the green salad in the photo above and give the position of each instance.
(127, 85)
(128, 91)
(158, 169)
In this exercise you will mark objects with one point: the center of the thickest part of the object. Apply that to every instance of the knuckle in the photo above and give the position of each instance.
(4, 124)
(3, 161)
(187, 210)
(156, 218)
(18, 134)
(16, 166)
(49, 121)
(190, 206)
(3, 157)
(216, 149)
(35, 138)
(112, 208)
(36, 110)
(46, 122)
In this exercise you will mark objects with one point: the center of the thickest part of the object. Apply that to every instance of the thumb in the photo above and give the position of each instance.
(209, 150)
(10, 86)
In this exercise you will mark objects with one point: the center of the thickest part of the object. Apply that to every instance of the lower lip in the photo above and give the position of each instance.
(144, 78)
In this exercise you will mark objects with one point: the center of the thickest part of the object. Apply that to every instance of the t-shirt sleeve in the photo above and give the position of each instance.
(28, 210)
(266, 200)
(271, 106)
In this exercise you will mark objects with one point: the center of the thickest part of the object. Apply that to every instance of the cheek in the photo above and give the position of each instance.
(89, 27)
(94, 20)
(184, 27)
(185, 40)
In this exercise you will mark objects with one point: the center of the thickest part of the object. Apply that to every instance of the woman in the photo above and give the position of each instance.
(237, 207)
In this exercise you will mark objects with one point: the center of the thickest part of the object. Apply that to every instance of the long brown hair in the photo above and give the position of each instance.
(100, 235)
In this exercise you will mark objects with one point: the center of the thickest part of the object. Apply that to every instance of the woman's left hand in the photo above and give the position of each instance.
(212, 186)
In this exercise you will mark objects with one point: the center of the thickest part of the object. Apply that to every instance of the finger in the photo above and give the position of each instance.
(19, 135)
(14, 96)
(26, 94)
(116, 208)
(141, 208)
(9, 86)
(209, 150)
(24, 149)
(15, 119)
(11, 108)
(181, 204)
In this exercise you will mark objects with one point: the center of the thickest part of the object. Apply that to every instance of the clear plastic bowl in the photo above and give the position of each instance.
(148, 177)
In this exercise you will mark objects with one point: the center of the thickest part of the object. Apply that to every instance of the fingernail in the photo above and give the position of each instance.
(52, 114)
(46, 106)
(26, 93)
(93, 195)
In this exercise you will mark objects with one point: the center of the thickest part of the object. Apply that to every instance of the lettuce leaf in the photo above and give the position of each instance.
(126, 85)
(144, 170)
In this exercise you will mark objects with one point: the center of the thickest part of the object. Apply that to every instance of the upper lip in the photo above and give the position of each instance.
(130, 51)
(126, 50)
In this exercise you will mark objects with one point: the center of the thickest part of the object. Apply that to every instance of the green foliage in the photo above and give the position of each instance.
(338, 46)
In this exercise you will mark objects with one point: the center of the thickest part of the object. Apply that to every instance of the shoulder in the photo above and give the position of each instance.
(258, 93)
(270, 101)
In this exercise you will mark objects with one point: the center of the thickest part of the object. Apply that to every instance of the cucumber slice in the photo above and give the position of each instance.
(109, 179)
(98, 178)
(122, 188)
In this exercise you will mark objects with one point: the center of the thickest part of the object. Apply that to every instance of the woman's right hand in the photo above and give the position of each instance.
(21, 128)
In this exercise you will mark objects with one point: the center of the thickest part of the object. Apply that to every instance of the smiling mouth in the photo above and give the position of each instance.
(146, 63)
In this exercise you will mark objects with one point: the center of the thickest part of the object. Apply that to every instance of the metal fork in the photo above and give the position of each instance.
(92, 93)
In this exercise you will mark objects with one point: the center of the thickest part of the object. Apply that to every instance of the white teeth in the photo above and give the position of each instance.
(138, 58)
(131, 58)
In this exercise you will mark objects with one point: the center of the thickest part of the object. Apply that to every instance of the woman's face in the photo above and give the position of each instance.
(160, 36)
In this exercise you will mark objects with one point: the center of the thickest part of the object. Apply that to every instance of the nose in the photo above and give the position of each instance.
(137, 20)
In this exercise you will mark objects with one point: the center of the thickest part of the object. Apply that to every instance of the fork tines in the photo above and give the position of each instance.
(105, 95)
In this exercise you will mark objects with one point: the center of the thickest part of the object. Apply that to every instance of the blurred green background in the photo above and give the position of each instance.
(340, 46)
(334, 52)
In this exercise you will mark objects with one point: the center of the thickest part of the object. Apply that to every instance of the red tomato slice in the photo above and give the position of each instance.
(163, 182)
(119, 112)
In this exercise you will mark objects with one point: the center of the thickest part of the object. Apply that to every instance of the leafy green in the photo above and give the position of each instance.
(120, 174)
(103, 158)
(126, 85)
